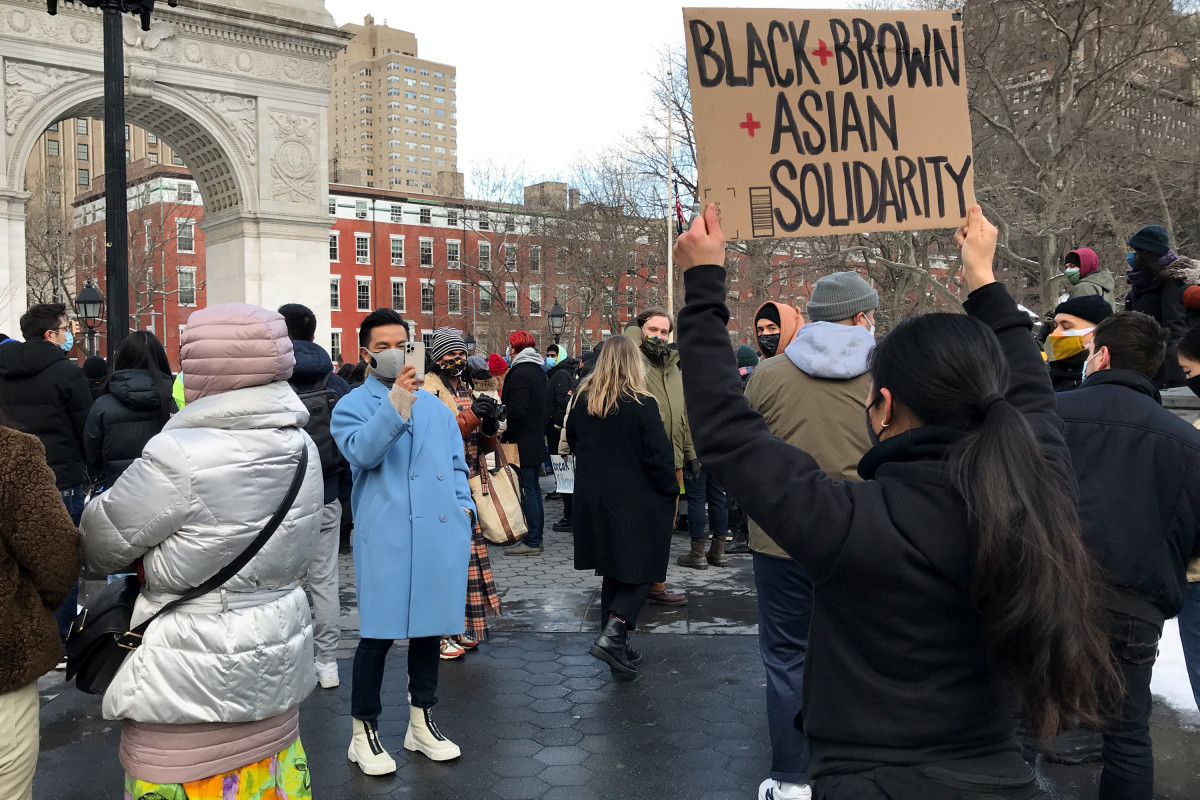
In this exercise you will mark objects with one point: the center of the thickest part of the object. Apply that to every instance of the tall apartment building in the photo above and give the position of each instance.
(392, 116)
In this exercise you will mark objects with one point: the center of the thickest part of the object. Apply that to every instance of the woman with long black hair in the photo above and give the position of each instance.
(951, 584)
(134, 410)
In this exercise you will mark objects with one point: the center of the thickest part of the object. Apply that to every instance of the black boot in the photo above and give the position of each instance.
(610, 646)
(740, 543)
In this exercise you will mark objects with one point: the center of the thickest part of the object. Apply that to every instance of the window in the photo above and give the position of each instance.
(510, 297)
(485, 256)
(398, 299)
(149, 236)
(150, 138)
(535, 259)
(427, 338)
(53, 127)
(535, 300)
(177, 161)
(52, 148)
(81, 127)
(332, 207)
(454, 298)
(183, 192)
(363, 292)
(335, 344)
(426, 296)
(333, 246)
(484, 222)
(185, 235)
(630, 301)
(151, 157)
(187, 286)
(397, 245)
(360, 209)
(452, 255)
(452, 218)
(362, 248)
(82, 177)
(510, 257)
(426, 252)
(335, 294)
(426, 216)
(81, 152)
(485, 297)
(397, 213)
(410, 69)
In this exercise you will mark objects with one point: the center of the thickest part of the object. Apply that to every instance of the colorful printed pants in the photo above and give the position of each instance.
(280, 777)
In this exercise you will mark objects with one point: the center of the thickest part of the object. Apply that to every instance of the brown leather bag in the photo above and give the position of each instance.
(497, 494)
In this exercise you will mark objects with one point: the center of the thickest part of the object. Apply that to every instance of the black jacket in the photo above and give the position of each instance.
(1163, 300)
(121, 422)
(45, 394)
(895, 673)
(314, 365)
(1067, 373)
(525, 396)
(560, 383)
(1139, 489)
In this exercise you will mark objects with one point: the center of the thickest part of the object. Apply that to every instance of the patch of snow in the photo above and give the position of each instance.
(1170, 682)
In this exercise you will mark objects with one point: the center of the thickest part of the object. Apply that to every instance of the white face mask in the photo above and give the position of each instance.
(1085, 366)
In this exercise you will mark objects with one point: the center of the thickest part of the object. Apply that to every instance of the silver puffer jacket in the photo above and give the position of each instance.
(200, 493)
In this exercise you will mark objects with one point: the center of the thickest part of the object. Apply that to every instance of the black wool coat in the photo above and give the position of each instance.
(560, 383)
(121, 422)
(625, 491)
(525, 396)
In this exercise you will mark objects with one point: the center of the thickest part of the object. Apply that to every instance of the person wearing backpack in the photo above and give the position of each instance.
(319, 388)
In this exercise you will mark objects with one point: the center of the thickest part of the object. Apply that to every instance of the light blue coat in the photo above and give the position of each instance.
(412, 539)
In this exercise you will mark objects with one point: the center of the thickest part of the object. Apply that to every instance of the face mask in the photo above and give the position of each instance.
(69, 343)
(454, 367)
(1086, 374)
(1065, 344)
(508, 354)
(769, 344)
(1073, 275)
(1131, 260)
(550, 362)
(1193, 383)
(871, 434)
(386, 365)
(655, 346)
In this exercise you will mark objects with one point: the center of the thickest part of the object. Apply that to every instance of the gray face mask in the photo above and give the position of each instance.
(386, 365)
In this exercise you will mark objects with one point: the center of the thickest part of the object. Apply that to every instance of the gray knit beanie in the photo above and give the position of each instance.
(840, 296)
(445, 340)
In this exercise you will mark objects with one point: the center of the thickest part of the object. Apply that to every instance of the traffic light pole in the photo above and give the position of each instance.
(116, 212)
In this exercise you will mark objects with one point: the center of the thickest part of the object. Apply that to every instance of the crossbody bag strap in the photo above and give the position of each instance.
(234, 566)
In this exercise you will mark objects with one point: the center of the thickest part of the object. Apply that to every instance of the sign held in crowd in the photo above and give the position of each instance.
(811, 123)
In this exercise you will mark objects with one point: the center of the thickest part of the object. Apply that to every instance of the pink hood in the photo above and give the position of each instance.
(1089, 262)
(232, 346)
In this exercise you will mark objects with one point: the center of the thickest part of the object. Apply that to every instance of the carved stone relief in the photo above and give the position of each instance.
(25, 84)
(294, 165)
(239, 113)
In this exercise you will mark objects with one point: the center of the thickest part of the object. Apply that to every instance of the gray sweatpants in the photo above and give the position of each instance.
(323, 584)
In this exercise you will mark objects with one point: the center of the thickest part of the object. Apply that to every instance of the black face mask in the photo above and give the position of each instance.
(454, 368)
(769, 344)
(871, 434)
(1194, 385)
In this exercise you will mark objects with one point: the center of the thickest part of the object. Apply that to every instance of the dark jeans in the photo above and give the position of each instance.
(531, 505)
(1000, 777)
(65, 615)
(1189, 635)
(705, 488)
(785, 600)
(623, 599)
(367, 681)
(1128, 755)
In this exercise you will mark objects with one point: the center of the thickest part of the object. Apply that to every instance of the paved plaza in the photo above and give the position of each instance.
(537, 717)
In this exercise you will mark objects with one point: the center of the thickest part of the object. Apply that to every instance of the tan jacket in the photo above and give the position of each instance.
(824, 417)
(665, 382)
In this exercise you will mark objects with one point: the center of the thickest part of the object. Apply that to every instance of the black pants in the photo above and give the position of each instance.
(1001, 777)
(1128, 755)
(568, 506)
(623, 599)
(367, 682)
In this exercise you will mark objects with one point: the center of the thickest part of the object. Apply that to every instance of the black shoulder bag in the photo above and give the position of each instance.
(100, 636)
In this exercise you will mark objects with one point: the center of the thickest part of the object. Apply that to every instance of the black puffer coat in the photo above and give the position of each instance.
(121, 422)
(560, 383)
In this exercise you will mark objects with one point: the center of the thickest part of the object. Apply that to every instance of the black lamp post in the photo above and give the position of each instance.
(89, 306)
(470, 342)
(116, 226)
(558, 319)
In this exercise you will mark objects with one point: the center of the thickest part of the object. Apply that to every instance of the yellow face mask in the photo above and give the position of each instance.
(1065, 344)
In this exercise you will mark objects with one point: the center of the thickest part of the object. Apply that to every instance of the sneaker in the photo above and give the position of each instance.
(450, 651)
(327, 675)
(771, 789)
(562, 526)
(523, 549)
(466, 641)
(61, 664)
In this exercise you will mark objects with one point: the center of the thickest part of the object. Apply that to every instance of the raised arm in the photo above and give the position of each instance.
(364, 435)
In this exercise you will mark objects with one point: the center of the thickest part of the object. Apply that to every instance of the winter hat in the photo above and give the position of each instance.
(840, 296)
(497, 365)
(1191, 297)
(445, 340)
(95, 368)
(233, 346)
(1091, 307)
(477, 364)
(768, 312)
(1152, 238)
(746, 357)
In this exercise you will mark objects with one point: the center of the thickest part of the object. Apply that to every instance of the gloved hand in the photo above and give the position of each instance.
(485, 408)
(691, 470)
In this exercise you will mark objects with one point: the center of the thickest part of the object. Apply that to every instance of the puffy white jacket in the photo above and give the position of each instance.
(200, 493)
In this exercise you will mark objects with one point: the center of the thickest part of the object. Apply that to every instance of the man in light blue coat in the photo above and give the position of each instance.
(412, 536)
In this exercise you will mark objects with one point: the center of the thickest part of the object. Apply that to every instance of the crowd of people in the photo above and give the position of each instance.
(954, 565)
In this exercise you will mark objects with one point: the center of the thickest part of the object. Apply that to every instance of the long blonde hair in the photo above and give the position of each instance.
(619, 373)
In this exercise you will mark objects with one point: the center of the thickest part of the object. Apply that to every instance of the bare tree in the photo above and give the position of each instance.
(52, 251)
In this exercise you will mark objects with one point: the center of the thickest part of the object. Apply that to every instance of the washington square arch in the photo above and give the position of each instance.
(239, 90)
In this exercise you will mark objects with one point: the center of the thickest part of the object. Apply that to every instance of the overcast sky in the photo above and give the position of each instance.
(541, 82)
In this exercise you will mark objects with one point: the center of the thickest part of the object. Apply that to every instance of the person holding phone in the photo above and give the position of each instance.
(413, 517)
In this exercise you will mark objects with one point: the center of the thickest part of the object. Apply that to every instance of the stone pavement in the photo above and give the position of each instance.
(537, 717)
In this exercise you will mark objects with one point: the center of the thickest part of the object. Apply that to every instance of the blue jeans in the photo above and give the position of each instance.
(1128, 755)
(785, 600)
(367, 682)
(531, 505)
(73, 499)
(1189, 635)
(705, 490)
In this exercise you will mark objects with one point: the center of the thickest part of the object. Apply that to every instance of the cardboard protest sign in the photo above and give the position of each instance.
(811, 123)
(564, 473)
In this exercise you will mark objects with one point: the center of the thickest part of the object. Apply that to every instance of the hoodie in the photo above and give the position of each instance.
(122, 422)
(813, 396)
(1094, 280)
(790, 322)
(44, 393)
(313, 365)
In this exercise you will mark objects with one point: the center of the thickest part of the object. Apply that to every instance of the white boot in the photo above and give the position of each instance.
(424, 737)
(367, 751)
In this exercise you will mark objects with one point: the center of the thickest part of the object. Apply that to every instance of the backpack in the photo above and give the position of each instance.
(319, 399)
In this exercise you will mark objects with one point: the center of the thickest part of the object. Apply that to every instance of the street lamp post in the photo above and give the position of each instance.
(470, 342)
(558, 319)
(89, 306)
(116, 215)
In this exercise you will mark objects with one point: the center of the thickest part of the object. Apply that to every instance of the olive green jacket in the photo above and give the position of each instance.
(665, 381)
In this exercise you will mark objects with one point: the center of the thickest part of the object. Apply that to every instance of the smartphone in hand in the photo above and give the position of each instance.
(414, 356)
